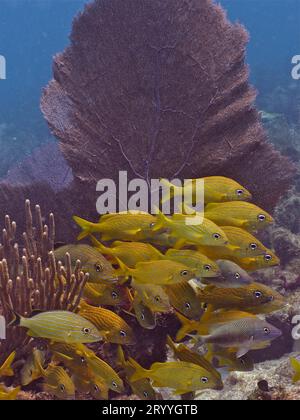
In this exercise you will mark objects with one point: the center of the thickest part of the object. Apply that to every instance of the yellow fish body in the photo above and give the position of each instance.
(203, 232)
(217, 189)
(161, 272)
(184, 299)
(260, 262)
(6, 369)
(130, 253)
(241, 245)
(296, 366)
(9, 394)
(57, 382)
(183, 377)
(106, 294)
(226, 358)
(145, 317)
(31, 369)
(203, 266)
(60, 326)
(119, 226)
(153, 296)
(142, 387)
(240, 214)
(92, 261)
(111, 326)
(96, 387)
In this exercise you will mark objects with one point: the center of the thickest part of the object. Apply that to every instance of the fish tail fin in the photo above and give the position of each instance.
(38, 364)
(186, 327)
(100, 246)
(170, 190)
(14, 393)
(126, 271)
(6, 369)
(161, 220)
(140, 372)
(16, 322)
(85, 225)
(296, 366)
(120, 356)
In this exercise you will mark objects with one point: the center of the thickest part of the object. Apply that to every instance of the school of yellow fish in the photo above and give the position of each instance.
(145, 265)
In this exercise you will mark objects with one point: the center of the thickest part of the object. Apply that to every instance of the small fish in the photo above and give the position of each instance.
(204, 233)
(252, 296)
(153, 296)
(145, 317)
(57, 382)
(240, 214)
(130, 253)
(241, 245)
(9, 394)
(92, 261)
(203, 266)
(106, 294)
(6, 369)
(184, 354)
(243, 334)
(96, 387)
(221, 357)
(183, 377)
(184, 299)
(119, 226)
(31, 371)
(295, 363)
(260, 262)
(232, 275)
(217, 189)
(111, 326)
(61, 326)
(162, 272)
(142, 387)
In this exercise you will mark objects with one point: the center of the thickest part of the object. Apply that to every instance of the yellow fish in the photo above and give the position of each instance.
(253, 296)
(217, 189)
(92, 261)
(111, 326)
(183, 377)
(203, 266)
(96, 387)
(240, 214)
(120, 226)
(61, 326)
(9, 394)
(130, 253)
(105, 294)
(184, 299)
(161, 272)
(153, 296)
(142, 387)
(6, 369)
(145, 317)
(31, 370)
(241, 245)
(296, 366)
(260, 262)
(56, 381)
(226, 358)
(184, 354)
(200, 233)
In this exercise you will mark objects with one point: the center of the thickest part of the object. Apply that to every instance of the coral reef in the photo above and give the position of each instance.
(30, 278)
(134, 99)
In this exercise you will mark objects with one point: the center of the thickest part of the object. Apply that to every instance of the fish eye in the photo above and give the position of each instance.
(257, 294)
(205, 306)
(30, 372)
(184, 273)
(253, 246)
(145, 393)
(96, 388)
(187, 305)
(240, 192)
(216, 236)
(268, 257)
(86, 330)
(142, 316)
(157, 298)
(152, 225)
(123, 333)
(114, 384)
(114, 295)
(261, 217)
(237, 275)
(62, 388)
(267, 330)
(99, 267)
(204, 379)
(207, 267)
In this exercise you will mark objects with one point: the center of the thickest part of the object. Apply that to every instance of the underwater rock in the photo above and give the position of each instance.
(287, 212)
(135, 90)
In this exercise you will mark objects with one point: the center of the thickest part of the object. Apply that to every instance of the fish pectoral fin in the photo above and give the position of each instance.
(246, 347)
(132, 231)
(232, 248)
(179, 243)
